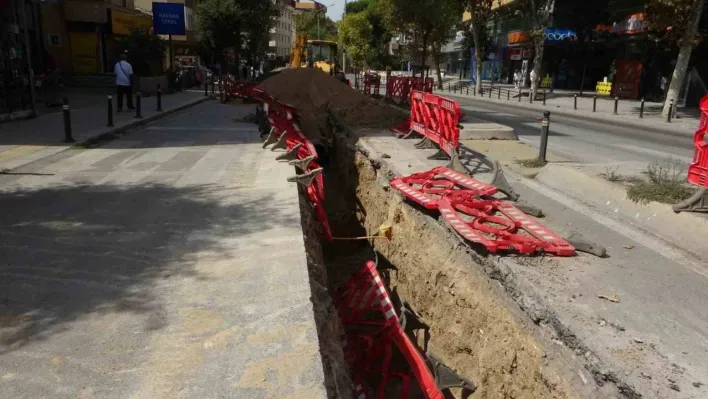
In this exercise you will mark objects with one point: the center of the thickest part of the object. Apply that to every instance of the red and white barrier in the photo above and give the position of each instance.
(698, 171)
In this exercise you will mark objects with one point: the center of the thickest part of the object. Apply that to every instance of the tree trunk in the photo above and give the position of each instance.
(477, 57)
(436, 60)
(537, 62)
(425, 54)
(684, 57)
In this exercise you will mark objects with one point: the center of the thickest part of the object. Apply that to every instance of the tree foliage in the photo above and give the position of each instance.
(418, 19)
(354, 33)
(306, 24)
(145, 52)
(480, 12)
(669, 18)
(377, 34)
(224, 24)
(358, 6)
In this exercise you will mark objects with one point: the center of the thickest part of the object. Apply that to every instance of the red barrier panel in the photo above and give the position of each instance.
(426, 188)
(372, 84)
(698, 171)
(398, 89)
(373, 334)
(448, 117)
(496, 224)
(468, 206)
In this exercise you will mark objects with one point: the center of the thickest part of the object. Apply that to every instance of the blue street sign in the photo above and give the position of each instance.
(168, 18)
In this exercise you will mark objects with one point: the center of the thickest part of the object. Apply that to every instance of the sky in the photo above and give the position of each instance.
(334, 12)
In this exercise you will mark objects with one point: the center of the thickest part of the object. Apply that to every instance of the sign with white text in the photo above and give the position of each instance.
(168, 18)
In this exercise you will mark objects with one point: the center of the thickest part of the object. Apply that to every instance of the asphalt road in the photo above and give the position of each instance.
(585, 141)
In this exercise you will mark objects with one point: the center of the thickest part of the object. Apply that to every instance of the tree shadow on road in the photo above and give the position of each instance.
(72, 254)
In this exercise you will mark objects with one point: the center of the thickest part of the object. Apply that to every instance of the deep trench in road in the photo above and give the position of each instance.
(474, 328)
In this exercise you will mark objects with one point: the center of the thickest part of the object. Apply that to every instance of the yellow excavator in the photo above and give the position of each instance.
(321, 54)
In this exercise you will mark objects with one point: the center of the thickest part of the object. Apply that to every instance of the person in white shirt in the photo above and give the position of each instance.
(124, 71)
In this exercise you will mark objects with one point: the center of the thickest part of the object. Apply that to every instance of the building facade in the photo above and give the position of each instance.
(282, 35)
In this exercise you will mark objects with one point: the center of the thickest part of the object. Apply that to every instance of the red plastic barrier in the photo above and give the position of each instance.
(496, 224)
(372, 335)
(427, 188)
(372, 84)
(282, 118)
(398, 89)
(447, 118)
(698, 171)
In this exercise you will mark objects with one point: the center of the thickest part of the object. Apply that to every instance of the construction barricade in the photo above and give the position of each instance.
(280, 120)
(374, 339)
(372, 84)
(398, 89)
(698, 171)
(469, 207)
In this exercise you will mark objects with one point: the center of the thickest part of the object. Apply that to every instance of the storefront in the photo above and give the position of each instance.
(16, 32)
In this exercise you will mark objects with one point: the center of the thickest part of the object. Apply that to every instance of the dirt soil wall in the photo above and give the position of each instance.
(476, 328)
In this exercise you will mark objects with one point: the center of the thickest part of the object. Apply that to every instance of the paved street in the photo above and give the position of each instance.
(591, 142)
(168, 263)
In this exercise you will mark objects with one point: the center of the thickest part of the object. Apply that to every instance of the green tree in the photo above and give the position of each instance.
(444, 31)
(145, 52)
(417, 18)
(316, 25)
(358, 6)
(224, 24)
(481, 12)
(540, 15)
(677, 21)
(354, 33)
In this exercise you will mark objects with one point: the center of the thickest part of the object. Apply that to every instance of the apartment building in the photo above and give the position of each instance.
(282, 35)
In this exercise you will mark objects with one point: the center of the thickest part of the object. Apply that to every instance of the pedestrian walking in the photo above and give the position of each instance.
(124, 79)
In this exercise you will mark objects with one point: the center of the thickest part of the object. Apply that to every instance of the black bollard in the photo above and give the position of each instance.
(474, 91)
(454, 88)
(617, 99)
(545, 123)
(594, 103)
(468, 90)
(641, 109)
(519, 94)
(213, 86)
(490, 92)
(671, 110)
(530, 96)
(499, 93)
(159, 98)
(110, 111)
(508, 95)
(448, 88)
(544, 97)
(138, 106)
(206, 88)
(66, 110)
(575, 102)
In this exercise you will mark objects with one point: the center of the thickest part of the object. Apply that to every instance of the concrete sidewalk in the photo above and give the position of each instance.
(562, 102)
(166, 264)
(26, 141)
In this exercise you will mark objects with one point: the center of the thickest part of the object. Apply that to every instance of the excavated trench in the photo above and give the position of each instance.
(476, 329)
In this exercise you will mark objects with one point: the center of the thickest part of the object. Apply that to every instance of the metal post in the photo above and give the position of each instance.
(468, 90)
(575, 102)
(545, 123)
(213, 86)
(544, 97)
(110, 111)
(530, 96)
(455, 89)
(448, 88)
(159, 98)
(499, 93)
(617, 99)
(671, 109)
(594, 103)
(508, 95)
(519, 94)
(206, 87)
(66, 110)
(641, 109)
(490, 92)
(474, 91)
(138, 106)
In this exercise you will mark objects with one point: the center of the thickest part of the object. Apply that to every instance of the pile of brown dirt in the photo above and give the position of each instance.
(313, 92)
